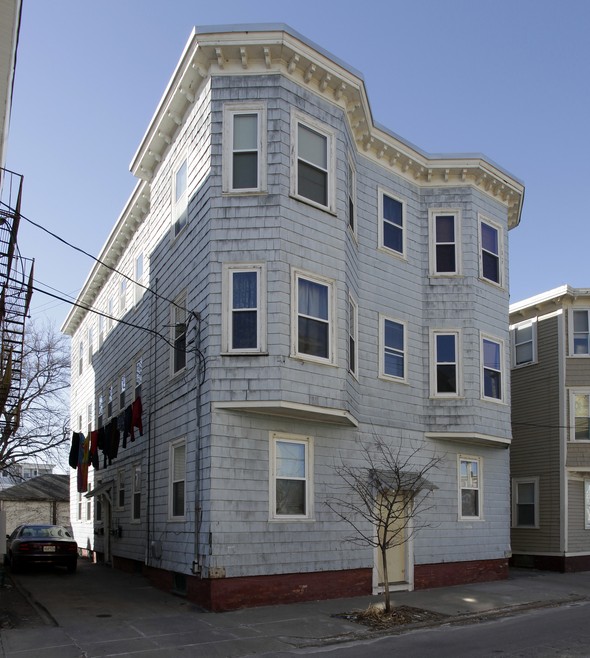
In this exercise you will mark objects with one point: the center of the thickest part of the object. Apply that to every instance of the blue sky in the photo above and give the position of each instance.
(508, 78)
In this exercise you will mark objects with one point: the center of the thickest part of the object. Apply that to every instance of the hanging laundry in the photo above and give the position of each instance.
(73, 458)
(83, 457)
(94, 449)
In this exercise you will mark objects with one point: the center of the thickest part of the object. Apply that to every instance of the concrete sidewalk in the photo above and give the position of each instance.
(105, 612)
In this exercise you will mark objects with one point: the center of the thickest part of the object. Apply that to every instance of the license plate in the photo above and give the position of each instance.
(49, 549)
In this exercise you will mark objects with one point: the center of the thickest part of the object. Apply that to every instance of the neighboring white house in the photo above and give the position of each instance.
(287, 281)
(24, 471)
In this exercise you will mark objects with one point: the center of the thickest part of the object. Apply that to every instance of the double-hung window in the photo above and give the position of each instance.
(120, 499)
(179, 197)
(111, 397)
(244, 308)
(525, 502)
(81, 358)
(492, 360)
(444, 243)
(580, 415)
(100, 330)
(177, 480)
(313, 164)
(470, 498)
(392, 349)
(291, 480)
(352, 336)
(391, 223)
(100, 410)
(351, 188)
(122, 389)
(138, 271)
(490, 239)
(445, 374)
(110, 313)
(122, 296)
(579, 334)
(178, 335)
(313, 329)
(138, 377)
(524, 343)
(244, 148)
(136, 495)
(90, 339)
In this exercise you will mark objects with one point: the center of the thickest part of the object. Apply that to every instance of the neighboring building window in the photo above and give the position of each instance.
(391, 223)
(490, 245)
(492, 360)
(587, 504)
(244, 148)
(524, 343)
(136, 499)
(470, 487)
(179, 198)
(122, 296)
(100, 330)
(444, 243)
(122, 388)
(291, 477)
(525, 502)
(100, 410)
(138, 376)
(446, 370)
(580, 413)
(178, 335)
(177, 483)
(120, 500)
(579, 332)
(90, 339)
(138, 272)
(352, 336)
(392, 349)
(313, 330)
(351, 188)
(110, 400)
(81, 358)
(313, 162)
(245, 308)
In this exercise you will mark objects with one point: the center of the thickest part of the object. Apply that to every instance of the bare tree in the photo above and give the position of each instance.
(385, 499)
(34, 426)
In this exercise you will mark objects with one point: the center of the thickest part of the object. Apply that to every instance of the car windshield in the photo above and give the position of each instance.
(46, 532)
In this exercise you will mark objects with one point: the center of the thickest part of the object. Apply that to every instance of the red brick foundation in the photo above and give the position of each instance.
(459, 573)
(552, 562)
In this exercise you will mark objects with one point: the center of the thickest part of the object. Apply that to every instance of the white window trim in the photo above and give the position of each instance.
(500, 342)
(90, 339)
(81, 358)
(570, 332)
(458, 362)
(432, 214)
(382, 373)
(123, 296)
(179, 301)
(173, 446)
(136, 362)
(309, 476)
(326, 131)
(297, 274)
(482, 219)
(135, 469)
(515, 483)
(479, 460)
(139, 290)
(180, 207)
(123, 381)
(355, 335)
(513, 330)
(581, 390)
(230, 110)
(120, 476)
(382, 247)
(227, 289)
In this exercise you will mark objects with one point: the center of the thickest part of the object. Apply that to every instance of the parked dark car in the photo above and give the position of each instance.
(41, 544)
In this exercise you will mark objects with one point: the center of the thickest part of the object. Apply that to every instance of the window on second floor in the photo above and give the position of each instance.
(580, 415)
(445, 372)
(579, 332)
(138, 377)
(138, 272)
(122, 389)
(90, 340)
(444, 243)
(244, 148)
(492, 359)
(392, 349)
(351, 191)
(391, 223)
(81, 358)
(313, 165)
(490, 240)
(524, 343)
(244, 308)
(313, 324)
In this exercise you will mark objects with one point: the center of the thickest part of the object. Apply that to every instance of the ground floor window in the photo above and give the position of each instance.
(291, 486)
(470, 487)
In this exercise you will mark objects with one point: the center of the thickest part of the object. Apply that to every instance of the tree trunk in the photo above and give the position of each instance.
(386, 594)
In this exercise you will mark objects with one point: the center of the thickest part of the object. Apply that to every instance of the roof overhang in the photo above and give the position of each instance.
(472, 438)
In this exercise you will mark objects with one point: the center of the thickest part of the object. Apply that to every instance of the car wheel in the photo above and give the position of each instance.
(72, 567)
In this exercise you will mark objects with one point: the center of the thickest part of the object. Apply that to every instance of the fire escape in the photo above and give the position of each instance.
(16, 280)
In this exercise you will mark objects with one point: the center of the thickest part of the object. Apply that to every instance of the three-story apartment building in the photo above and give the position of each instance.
(288, 281)
(550, 454)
